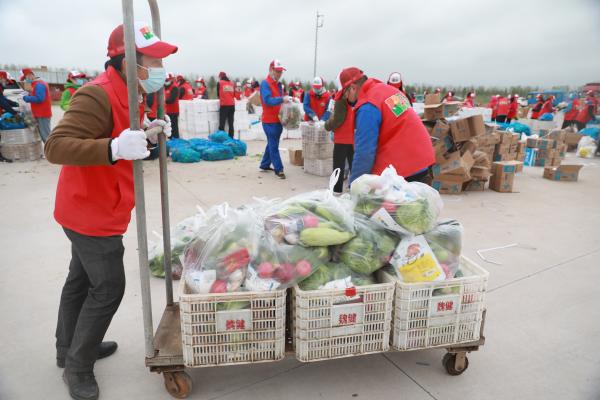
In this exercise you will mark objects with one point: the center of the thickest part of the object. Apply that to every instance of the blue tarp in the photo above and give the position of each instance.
(592, 132)
(546, 117)
(185, 155)
(219, 137)
(7, 125)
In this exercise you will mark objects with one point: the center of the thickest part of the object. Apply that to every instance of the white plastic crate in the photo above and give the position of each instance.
(22, 152)
(340, 323)
(318, 167)
(19, 136)
(317, 151)
(214, 335)
(439, 314)
(314, 133)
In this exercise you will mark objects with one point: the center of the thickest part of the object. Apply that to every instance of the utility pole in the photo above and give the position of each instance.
(319, 24)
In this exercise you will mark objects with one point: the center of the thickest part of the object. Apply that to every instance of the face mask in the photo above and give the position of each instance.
(79, 82)
(28, 80)
(156, 79)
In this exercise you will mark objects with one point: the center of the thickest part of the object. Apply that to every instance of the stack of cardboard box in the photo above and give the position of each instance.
(548, 151)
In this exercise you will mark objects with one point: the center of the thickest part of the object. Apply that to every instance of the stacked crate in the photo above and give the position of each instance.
(20, 144)
(317, 149)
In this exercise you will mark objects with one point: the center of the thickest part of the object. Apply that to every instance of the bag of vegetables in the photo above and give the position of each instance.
(445, 241)
(370, 249)
(405, 207)
(335, 276)
(218, 264)
(313, 219)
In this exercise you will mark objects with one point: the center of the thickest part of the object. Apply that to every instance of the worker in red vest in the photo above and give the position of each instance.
(571, 111)
(513, 107)
(502, 107)
(272, 96)
(493, 105)
(238, 90)
(297, 92)
(75, 80)
(172, 103)
(40, 100)
(547, 107)
(94, 197)
(186, 91)
(316, 103)
(469, 100)
(387, 129)
(395, 80)
(226, 93)
(535, 111)
(248, 89)
(448, 97)
(587, 111)
(200, 92)
(341, 123)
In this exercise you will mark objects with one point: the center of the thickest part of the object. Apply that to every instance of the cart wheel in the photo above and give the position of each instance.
(449, 362)
(178, 384)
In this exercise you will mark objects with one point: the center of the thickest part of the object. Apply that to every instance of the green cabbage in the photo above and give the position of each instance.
(417, 216)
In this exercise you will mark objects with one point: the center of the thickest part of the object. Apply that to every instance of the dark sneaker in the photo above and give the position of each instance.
(105, 349)
(280, 175)
(261, 169)
(82, 385)
(6, 160)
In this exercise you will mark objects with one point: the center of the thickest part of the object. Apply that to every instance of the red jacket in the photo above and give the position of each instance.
(270, 114)
(248, 91)
(97, 200)
(238, 93)
(345, 133)
(493, 104)
(200, 90)
(318, 103)
(43, 109)
(298, 93)
(403, 139)
(172, 108)
(535, 111)
(547, 107)
(153, 113)
(572, 114)
(226, 93)
(583, 116)
(502, 106)
(469, 102)
(513, 108)
(188, 91)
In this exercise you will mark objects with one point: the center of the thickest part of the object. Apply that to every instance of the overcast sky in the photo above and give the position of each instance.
(451, 42)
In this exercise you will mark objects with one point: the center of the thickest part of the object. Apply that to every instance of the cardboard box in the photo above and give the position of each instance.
(476, 125)
(468, 146)
(441, 147)
(441, 129)
(502, 183)
(502, 148)
(505, 157)
(481, 159)
(513, 148)
(530, 156)
(572, 138)
(497, 137)
(514, 138)
(490, 128)
(521, 146)
(543, 162)
(474, 186)
(532, 143)
(460, 130)
(505, 137)
(433, 98)
(481, 173)
(520, 157)
(569, 173)
(550, 153)
(296, 157)
(556, 162)
(544, 144)
(504, 167)
(558, 135)
(455, 164)
(447, 186)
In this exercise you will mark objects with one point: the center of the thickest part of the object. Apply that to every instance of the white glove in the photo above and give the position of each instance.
(146, 122)
(157, 126)
(130, 145)
(315, 118)
(287, 99)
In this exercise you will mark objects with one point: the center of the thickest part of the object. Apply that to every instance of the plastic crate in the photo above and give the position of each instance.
(213, 335)
(318, 167)
(438, 314)
(19, 136)
(340, 323)
(22, 152)
(314, 133)
(317, 151)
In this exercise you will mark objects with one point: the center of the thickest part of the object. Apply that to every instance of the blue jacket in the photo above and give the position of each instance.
(366, 136)
(309, 111)
(38, 97)
(267, 96)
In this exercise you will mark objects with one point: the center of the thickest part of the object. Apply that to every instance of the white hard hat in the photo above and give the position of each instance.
(395, 77)
(317, 82)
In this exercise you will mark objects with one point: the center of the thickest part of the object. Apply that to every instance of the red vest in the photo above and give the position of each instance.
(153, 113)
(97, 200)
(345, 133)
(297, 93)
(71, 91)
(502, 106)
(270, 114)
(43, 109)
(200, 90)
(546, 108)
(469, 102)
(403, 139)
(318, 103)
(535, 111)
(172, 108)
(238, 93)
(226, 93)
(188, 91)
(248, 92)
(493, 104)
(571, 115)
(583, 116)
(512, 109)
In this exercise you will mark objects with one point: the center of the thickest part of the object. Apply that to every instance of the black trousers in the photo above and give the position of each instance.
(567, 123)
(174, 125)
(423, 177)
(226, 115)
(90, 297)
(341, 154)
(501, 118)
(580, 125)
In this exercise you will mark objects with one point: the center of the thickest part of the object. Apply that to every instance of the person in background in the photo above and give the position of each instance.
(571, 111)
(342, 125)
(272, 96)
(448, 97)
(41, 103)
(535, 111)
(186, 91)
(6, 105)
(248, 90)
(513, 108)
(395, 80)
(469, 100)
(75, 80)
(94, 198)
(547, 107)
(587, 111)
(387, 129)
(412, 97)
(493, 104)
(238, 90)
(502, 107)
(438, 91)
(296, 91)
(172, 103)
(256, 86)
(226, 94)
(200, 92)
(316, 102)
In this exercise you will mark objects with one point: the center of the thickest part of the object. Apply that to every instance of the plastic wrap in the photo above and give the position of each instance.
(445, 241)
(219, 137)
(216, 152)
(586, 148)
(289, 116)
(335, 276)
(185, 155)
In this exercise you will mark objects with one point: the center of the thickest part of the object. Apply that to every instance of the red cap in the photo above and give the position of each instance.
(222, 74)
(146, 42)
(75, 74)
(25, 72)
(277, 65)
(349, 76)
(170, 76)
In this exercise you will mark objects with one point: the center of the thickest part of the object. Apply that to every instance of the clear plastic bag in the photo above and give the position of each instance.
(312, 219)
(586, 148)
(401, 206)
(217, 261)
(335, 276)
(445, 241)
(289, 116)
(370, 249)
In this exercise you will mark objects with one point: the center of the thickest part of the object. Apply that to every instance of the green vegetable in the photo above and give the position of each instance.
(317, 279)
(323, 237)
(334, 271)
(232, 305)
(416, 216)
(368, 206)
